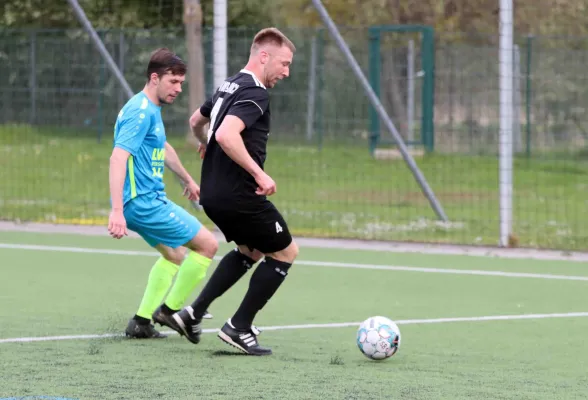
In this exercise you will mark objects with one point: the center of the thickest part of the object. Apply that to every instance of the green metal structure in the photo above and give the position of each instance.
(427, 46)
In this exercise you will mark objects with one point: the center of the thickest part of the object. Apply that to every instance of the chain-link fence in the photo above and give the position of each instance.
(550, 94)
(58, 103)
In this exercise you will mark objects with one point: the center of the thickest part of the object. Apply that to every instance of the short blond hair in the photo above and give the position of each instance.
(273, 36)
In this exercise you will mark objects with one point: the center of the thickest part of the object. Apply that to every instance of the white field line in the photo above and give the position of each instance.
(320, 326)
(347, 244)
(311, 263)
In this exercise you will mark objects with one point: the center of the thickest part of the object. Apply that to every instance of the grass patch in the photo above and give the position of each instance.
(51, 293)
(340, 191)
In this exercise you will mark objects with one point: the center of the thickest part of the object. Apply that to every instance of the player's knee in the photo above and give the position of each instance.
(287, 255)
(204, 243)
(293, 251)
(175, 256)
(212, 247)
(254, 254)
(208, 247)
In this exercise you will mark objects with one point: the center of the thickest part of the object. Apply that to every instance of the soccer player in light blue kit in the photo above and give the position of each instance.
(139, 201)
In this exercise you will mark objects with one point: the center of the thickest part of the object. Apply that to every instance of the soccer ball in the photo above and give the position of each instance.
(378, 338)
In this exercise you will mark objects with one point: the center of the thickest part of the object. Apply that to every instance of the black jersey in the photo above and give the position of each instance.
(223, 181)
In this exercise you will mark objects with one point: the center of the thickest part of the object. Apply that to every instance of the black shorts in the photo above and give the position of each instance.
(259, 226)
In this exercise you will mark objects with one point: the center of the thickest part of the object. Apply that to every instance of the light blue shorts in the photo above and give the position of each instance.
(159, 220)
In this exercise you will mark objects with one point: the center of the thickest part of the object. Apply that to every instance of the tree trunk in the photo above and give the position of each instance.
(193, 28)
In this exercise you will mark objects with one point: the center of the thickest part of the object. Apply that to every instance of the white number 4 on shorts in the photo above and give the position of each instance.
(278, 227)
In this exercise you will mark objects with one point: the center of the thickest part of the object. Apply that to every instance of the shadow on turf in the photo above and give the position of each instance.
(222, 353)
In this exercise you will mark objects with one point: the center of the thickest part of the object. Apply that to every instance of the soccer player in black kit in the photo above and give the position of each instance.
(234, 190)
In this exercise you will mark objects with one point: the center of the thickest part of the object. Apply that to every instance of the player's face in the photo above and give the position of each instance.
(169, 87)
(278, 65)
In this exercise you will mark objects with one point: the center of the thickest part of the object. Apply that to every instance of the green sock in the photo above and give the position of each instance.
(160, 279)
(192, 272)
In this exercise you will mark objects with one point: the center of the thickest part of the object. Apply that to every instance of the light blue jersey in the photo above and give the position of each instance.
(147, 210)
(139, 130)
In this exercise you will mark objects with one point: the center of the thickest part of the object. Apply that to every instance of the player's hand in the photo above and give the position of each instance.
(267, 186)
(192, 190)
(202, 150)
(117, 225)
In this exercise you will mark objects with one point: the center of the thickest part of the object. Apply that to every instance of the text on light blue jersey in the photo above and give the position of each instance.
(139, 130)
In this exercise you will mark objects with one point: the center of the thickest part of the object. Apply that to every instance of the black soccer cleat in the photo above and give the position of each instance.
(188, 324)
(164, 319)
(244, 340)
(139, 331)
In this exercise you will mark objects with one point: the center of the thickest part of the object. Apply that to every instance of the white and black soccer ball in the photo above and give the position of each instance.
(378, 338)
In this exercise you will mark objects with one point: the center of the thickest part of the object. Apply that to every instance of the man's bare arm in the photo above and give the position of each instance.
(117, 173)
(197, 124)
(172, 161)
(228, 136)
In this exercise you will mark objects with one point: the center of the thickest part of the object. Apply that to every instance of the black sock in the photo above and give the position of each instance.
(266, 279)
(141, 320)
(230, 269)
(166, 310)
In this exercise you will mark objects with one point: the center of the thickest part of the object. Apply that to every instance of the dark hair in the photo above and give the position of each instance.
(163, 61)
(274, 36)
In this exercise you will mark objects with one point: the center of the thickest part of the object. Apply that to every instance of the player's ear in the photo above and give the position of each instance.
(263, 56)
(154, 78)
